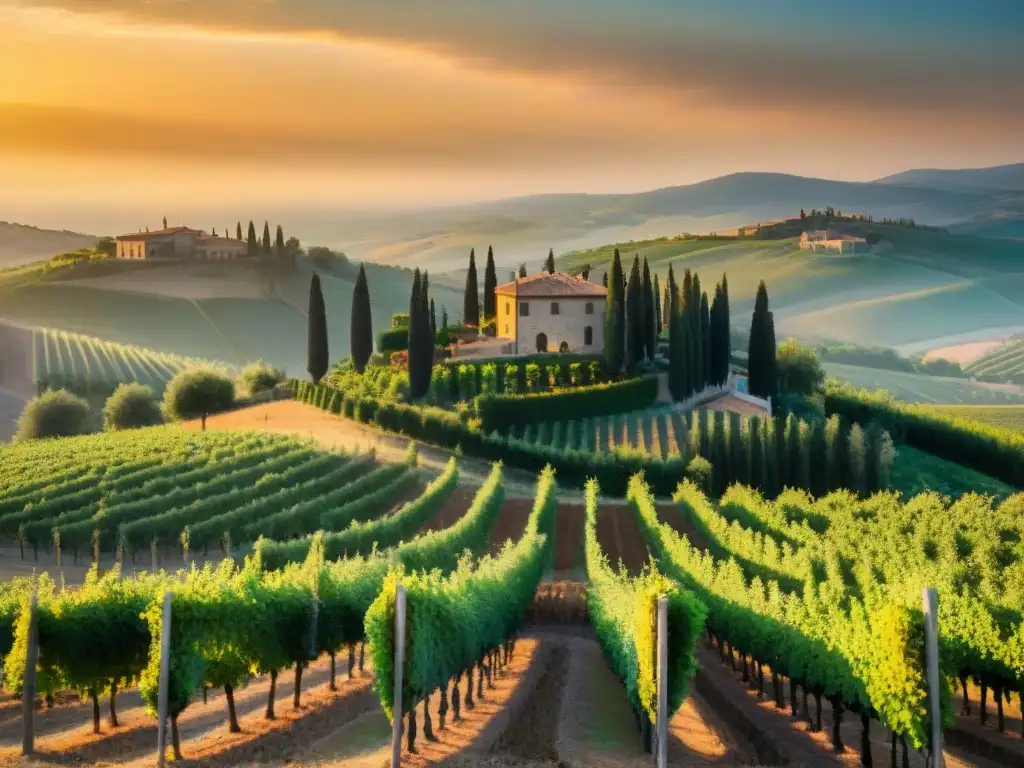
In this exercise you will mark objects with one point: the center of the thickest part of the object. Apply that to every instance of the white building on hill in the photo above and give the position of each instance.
(551, 313)
(830, 241)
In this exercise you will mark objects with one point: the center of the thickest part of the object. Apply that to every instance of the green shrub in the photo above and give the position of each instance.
(700, 471)
(533, 382)
(400, 320)
(502, 411)
(56, 413)
(130, 407)
(196, 393)
(395, 340)
(511, 382)
(258, 377)
(489, 379)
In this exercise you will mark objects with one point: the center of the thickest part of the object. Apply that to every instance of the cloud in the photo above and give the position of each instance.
(878, 59)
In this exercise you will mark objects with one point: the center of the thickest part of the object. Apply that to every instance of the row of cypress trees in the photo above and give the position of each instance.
(632, 312)
(258, 246)
(471, 299)
(699, 344)
(422, 333)
(361, 328)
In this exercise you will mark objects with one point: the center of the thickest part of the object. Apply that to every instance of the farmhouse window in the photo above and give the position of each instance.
(508, 307)
(554, 307)
(589, 309)
(524, 309)
(588, 336)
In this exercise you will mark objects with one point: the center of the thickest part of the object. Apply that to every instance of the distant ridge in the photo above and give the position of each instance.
(1003, 177)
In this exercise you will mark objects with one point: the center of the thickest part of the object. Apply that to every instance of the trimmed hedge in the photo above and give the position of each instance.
(394, 340)
(993, 451)
(500, 412)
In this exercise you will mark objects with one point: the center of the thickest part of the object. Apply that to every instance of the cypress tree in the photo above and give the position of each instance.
(426, 334)
(684, 307)
(724, 339)
(671, 304)
(490, 284)
(279, 243)
(819, 460)
(471, 301)
(252, 245)
(770, 440)
(697, 334)
(716, 349)
(757, 469)
(433, 322)
(789, 469)
(838, 471)
(740, 451)
(857, 458)
(706, 340)
(719, 454)
(676, 358)
(417, 387)
(549, 265)
(614, 322)
(522, 270)
(444, 317)
(238, 231)
(604, 280)
(361, 326)
(762, 350)
(266, 237)
(657, 310)
(635, 337)
(650, 315)
(317, 354)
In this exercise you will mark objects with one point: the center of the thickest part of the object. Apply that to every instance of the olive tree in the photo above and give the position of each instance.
(258, 377)
(55, 413)
(130, 407)
(196, 393)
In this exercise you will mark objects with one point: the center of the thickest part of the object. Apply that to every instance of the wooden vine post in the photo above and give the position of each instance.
(662, 680)
(930, 602)
(396, 711)
(165, 676)
(28, 692)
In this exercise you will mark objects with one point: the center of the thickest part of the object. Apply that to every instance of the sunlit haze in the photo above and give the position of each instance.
(355, 104)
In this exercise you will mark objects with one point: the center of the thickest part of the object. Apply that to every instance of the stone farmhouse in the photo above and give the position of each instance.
(551, 313)
(176, 243)
(830, 241)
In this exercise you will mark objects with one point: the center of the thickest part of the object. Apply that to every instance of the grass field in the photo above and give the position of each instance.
(1004, 416)
(920, 388)
(915, 472)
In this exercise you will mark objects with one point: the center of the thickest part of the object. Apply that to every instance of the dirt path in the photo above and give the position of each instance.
(305, 421)
(511, 522)
(365, 743)
(568, 558)
(620, 537)
(64, 734)
(596, 727)
(454, 508)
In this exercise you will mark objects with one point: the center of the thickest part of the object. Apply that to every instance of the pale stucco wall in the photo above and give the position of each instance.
(568, 325)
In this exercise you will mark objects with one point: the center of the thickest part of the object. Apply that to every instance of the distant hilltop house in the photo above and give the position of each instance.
(179, 243)
(551, 312)
(830, 241)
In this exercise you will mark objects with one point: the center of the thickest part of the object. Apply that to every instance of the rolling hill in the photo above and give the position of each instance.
(1005, 177)
(912, 290)
(21, 244)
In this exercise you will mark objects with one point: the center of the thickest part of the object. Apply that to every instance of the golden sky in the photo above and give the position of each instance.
(298, 101)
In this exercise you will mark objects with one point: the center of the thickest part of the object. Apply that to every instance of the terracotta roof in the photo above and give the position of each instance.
(160, 233)
(559, 284)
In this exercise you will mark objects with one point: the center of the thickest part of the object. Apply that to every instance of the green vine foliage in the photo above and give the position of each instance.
(453, 620)
(866, 653)
(624, 614)
(361, 536)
